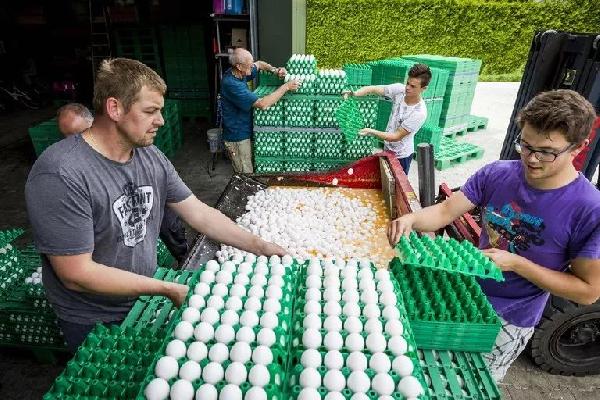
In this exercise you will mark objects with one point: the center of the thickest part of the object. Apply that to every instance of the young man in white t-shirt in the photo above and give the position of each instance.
(408, 113)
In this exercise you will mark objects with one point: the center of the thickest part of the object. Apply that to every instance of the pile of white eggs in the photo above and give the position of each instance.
(309, 222)
(35, 278)
(220, 334)
(352, 323)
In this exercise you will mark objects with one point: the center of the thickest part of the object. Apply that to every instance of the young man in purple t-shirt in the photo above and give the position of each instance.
(541, 220)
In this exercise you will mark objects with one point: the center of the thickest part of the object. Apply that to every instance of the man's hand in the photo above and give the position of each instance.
(281, 72)
(399, 227)
(269, 249)
(505, 260)
(366, 131)
(176, 293)
(347, 93)
(292, 85)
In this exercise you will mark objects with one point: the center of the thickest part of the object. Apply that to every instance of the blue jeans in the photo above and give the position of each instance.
(405, 163)
(75, 334)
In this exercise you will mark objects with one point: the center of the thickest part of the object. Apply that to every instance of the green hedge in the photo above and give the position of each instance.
(499, 33)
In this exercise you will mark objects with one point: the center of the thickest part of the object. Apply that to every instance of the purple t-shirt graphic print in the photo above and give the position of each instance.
(548, 227)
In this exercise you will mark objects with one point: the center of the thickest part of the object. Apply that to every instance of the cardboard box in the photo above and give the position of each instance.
(238, 38)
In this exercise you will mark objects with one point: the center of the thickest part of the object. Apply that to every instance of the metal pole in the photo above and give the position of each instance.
(426, 174)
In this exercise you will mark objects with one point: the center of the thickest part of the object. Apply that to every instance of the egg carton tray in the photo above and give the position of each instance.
(110, 364)
(457, 375)
(350, 119)
(9, 235)
(152, 313)
(277, 370)
(446, 311)
(447, 254)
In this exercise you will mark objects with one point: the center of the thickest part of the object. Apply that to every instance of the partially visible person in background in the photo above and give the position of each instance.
(73, 118)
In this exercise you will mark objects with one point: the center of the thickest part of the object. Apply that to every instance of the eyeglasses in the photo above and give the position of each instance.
(540, 155)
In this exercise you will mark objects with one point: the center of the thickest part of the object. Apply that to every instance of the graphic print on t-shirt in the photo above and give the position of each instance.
(511, 229)
(132, 209)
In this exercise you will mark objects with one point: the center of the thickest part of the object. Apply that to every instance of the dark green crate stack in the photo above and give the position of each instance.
(139, 44)
(186, 69)
(169, 137)
(43, 135)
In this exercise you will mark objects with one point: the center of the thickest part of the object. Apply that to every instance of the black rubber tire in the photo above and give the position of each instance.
(551, 354)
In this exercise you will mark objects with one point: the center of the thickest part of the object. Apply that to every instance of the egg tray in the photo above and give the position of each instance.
(110, 364)
(277, 369)
(447, 254)
(164, 257)
(31, 335)
(446, 311)
(8, 236)
(152, 313)
(350, 119)
(457, 375)
(294, 387)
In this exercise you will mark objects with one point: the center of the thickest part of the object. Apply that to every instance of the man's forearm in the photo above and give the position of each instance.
(367, 90)
(563, 284)
(264, 66)
(274, 97)
(390, 137)
(432, 218)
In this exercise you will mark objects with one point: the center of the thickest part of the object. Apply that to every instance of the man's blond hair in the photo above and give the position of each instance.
(123, 79)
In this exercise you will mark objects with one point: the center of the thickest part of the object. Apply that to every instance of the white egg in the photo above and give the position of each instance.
(256, 393)
(287, 260)
(383, 384)
(220, 290)
(197, 351)
(332, 295)
(269, 320)
(394, 327)
(274, 292)
(353, 325)
(365, 263)
(310, 377)
(252, 304)
(278, 270)
(332, 323)
(398, 345)
(382, 274)
(332, 308)
(391, 312)
(262, 355)
(236, 373)
(204, 332)
(272, 305)
(359, 382)
(176, 349)
(356, 361)
(349, 284)
(276, 280)
(212, 265)
(196, 301)
(182, 390)
(410, 387)
(263, 269)
(224, 334)
(202, 289)
(166, 368)
(380, 362)
(376, 342)
(373, 325)
(218, 353)
(309, 393)
(311, 338)
(191, 314)
(230, 392)
(207, 392)
(313, 281)
(190, 371)
(212, 373)
(234, 303)
(314, 269)
(240, 352)
(259, 375)
(184, 330)
(262, 260)
(157, 389)
(334, 380)
(256, 291)
(355, 342)
(244, 268)
(312, 307)
(371, 311)
(310, 358)
(403, 365)
(351, 309)
(229, 317)
(334, 396)
(334, 360)
(215, 302)
(266, 337)
(245, 334)
(274, 260)
(388, 299)
(249, 318)
(258, 280)
(312, 321)
(209, 315)
(351, 296)
(369, 297)
(241, 279)
(228, 266)
(385, 287)
(207, 277)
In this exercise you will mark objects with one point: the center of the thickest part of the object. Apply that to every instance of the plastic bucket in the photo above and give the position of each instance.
(214, 139)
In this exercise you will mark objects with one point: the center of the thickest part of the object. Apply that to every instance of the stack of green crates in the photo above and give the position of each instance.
(139, 44)
(186, 69)
(169, 137)
(44, 134)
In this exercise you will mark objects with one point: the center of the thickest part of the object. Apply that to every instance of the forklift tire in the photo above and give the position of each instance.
(567, 339)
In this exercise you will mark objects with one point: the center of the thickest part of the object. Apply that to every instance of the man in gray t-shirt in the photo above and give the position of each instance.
(96, 200)
(408, 113)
